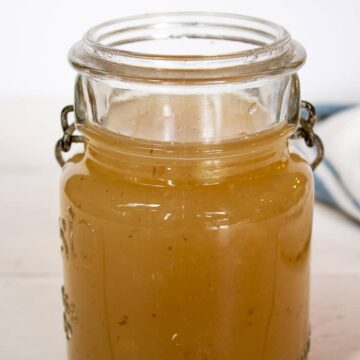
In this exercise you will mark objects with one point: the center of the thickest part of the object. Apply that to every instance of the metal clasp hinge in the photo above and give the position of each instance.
(306, 131)
(64, 143)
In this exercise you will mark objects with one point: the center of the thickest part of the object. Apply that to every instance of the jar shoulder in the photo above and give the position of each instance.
(260, 193)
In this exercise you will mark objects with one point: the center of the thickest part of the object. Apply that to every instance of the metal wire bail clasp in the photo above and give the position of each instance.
(64, 143)
(306, 131)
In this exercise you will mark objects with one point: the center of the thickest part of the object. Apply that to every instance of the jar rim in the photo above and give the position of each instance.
(95, 37)
(259, 47)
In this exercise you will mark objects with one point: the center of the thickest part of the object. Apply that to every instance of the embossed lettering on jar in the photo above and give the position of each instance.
(186, 219)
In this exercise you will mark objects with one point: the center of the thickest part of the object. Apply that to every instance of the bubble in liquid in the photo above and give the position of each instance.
(174, 339)
(252, 109)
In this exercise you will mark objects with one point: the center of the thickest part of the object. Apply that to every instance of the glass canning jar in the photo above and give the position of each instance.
(186, 220)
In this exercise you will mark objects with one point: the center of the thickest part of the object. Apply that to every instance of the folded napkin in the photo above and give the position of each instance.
(337, 178)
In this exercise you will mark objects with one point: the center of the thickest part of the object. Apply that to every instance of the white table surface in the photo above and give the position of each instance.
(30, 264)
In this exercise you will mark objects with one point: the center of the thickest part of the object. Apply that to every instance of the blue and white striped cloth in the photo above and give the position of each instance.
(337, 178)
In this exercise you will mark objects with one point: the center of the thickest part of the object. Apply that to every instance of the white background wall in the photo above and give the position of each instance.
(36, 35)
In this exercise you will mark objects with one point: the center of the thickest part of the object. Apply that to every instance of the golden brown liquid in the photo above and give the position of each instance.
(187, 259)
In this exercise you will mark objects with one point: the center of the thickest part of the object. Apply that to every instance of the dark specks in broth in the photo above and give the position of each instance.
(124, 320)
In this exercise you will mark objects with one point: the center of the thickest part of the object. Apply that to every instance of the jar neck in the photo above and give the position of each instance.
(165, 164)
